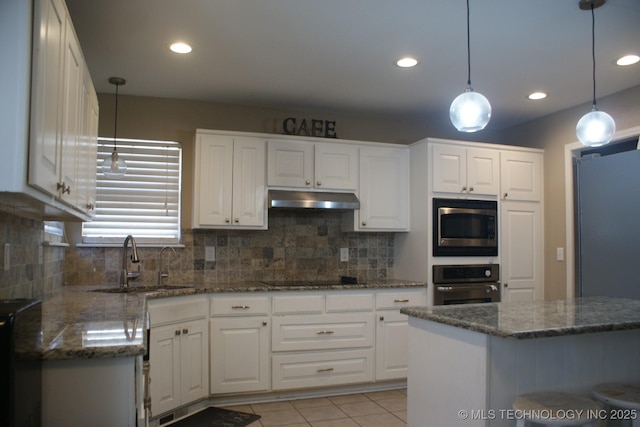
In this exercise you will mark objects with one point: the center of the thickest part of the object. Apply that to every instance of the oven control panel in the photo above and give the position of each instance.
(468, 273)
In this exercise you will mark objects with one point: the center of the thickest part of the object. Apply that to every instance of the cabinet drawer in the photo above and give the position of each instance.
(172, 310)
(290, 333)
(347, 302)
(322, 369)
(298, 304)
(239, 305)
(400, 298)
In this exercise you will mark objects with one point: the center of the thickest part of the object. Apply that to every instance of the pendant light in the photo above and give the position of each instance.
(595, 128)
(113, 166)
(470, 111)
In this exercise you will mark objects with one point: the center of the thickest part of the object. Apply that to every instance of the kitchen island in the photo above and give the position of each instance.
(468, 362)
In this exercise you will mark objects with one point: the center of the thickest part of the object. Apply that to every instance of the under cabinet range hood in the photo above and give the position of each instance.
(312, 200)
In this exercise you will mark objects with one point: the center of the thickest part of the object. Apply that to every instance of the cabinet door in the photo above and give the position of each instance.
(521, 175)
(449, 165)
(71, 120)
(249, 190)
(164, 356)
(46, 95)
(240, 354)
(194, 361)
(521, 251)
(392, 345)
(88, 147)
(290, 164)
(483, 171)
(336, 166)
(213, 180)
(384, 189)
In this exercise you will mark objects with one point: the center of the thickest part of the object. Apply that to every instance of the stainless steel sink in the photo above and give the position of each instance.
(140, 289)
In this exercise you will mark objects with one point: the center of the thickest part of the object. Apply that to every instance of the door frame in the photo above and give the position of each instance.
(572, 151)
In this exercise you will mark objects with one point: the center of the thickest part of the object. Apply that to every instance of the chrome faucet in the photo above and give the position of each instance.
(125, 275)
(163, 274)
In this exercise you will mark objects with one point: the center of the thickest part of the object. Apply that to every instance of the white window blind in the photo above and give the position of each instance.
(145, 202)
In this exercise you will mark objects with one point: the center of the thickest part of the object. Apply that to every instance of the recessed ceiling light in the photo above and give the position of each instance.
(628, 60)
(406, 62)
(537, 95)
(180, 47)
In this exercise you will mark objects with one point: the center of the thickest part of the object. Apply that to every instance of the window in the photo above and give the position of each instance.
(145, 202)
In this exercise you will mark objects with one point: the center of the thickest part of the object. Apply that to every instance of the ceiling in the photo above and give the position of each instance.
(339, 55)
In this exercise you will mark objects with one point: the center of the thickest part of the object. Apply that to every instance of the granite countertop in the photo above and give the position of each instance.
(539, 319)
(83, 322)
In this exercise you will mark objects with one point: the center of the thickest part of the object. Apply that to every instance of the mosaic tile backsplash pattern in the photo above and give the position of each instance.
(298, 245)
(26, 276)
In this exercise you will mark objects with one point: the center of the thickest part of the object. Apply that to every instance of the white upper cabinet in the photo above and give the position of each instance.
(52, 125)
(459, 169)
(229, 182)
(384, 190)
(521, 175)
(303, 164)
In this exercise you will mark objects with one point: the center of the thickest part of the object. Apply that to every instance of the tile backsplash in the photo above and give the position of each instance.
(28, 274)
(299, 245)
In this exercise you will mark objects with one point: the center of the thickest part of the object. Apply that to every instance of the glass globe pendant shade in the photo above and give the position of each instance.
(470, 111)
(114, 167)
(595, 128)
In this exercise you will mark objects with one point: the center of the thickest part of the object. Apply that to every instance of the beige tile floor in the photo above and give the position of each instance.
(376, 409)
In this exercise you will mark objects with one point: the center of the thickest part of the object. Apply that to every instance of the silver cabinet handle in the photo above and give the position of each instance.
(382, 318)
(264, 323)
(505, 195)
(364, 223)
(400, 300)
(236, 220)
(240, 307)
(470, 189)
(319, 183)
(325, 370)
(177, 332)
(324, 332)
(227, 220)
(185, 331)
(464, 188)
(307, 182)
(65, 188)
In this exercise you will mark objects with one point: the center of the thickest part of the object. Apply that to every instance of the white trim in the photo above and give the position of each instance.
(570, 152)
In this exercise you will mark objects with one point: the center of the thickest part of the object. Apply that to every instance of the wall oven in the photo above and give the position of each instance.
(466, 284)
(465, 227)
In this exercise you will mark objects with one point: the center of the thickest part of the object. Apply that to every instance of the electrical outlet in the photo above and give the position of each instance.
(210, 253)
(559, 254)
(7, 257)
(40, 255)
(344, 254)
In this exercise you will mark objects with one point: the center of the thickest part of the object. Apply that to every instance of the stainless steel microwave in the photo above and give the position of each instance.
(465, 227)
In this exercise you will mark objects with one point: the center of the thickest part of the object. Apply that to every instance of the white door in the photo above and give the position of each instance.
(520, 175)
(449, 168)
(194, 361)
(521, 251)
(46, 96)
(213, 180)
(384, 189)
(483, 171)
(240, 354)
(392, 345)
(249, 190)
(336, 166)
(290, 164)
(164, 352)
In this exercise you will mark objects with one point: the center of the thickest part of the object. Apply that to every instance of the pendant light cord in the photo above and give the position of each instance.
(468, 50)
(115, 121)
(593, 53)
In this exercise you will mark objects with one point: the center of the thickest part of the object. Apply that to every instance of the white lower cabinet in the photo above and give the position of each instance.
(392, 330)
(178, 352)
(240, 344)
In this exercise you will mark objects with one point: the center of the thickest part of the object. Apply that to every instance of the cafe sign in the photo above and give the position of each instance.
(309, 127)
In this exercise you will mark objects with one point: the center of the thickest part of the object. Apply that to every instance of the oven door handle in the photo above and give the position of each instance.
(489, 287)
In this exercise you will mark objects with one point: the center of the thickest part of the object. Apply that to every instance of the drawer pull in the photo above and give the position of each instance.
(240, 307)
(325, 370)
(177, 332)
(185, 331)
(324, 332)
(400, 300)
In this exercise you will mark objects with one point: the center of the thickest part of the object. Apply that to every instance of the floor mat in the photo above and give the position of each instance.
(217, 417)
